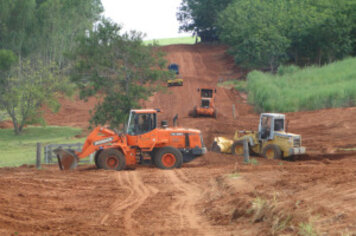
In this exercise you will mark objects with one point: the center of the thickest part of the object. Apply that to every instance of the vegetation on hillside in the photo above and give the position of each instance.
(43, 43)
(170, 41)
(265, 34)
(34, 37)
(119, 67)
(294, 89)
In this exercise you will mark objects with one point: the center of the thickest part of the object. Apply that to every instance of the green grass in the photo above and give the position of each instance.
(239, 85)
(19, 150)
(307, 229)
(311, 88)
(169, 41)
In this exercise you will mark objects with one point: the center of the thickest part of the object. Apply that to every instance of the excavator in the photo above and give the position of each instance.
(165, 147)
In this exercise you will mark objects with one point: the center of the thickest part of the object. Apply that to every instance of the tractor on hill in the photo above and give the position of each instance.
(271, 140)
(207, 103)
(166, 148)
(177, 81)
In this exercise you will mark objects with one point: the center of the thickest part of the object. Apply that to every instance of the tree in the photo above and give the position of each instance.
(118, 69)
(267, 33)
(37, 33)
(199, 17)
(26, 87)
(255, 32)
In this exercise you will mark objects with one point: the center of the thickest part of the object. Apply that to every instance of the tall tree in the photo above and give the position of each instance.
(118, 68)
(255, 31)
(26, 87)
(200, 16)
(38, 33)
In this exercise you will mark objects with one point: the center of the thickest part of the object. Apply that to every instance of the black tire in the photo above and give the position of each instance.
(168, 158)
(96, 159)
(237, 148)
(215, 113)
(111, 159)
(195, 113)
(272, 151)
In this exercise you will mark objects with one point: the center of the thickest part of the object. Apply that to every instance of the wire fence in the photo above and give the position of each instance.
(42, 154)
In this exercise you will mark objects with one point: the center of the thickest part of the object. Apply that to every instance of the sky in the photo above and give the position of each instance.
(156, 18)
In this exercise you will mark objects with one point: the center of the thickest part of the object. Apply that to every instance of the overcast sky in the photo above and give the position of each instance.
(156, 18)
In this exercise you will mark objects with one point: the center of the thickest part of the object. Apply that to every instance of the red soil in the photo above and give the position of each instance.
(212, 195)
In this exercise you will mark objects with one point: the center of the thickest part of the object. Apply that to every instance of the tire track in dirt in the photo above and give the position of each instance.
(185, 206)
(139, 192)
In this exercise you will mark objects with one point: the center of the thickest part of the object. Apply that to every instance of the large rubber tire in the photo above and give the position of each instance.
(96, 159)
(112, 159)
(195, 112)
(168, 158)
(237, 148)
(272, 151)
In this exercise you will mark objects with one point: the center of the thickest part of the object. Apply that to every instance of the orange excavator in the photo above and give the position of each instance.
(207, 105)
(166, 148)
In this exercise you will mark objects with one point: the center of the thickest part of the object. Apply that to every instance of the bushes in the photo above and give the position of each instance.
(294, 89)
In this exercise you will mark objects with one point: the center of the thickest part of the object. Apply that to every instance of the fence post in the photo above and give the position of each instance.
(246, 151)
(38, 156)
(233, 111)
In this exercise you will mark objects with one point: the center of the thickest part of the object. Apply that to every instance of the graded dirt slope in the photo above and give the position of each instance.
(213, 195)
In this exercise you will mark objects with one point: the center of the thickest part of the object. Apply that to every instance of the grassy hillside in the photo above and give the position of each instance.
(311, 88)
(169, 41)
(19, 150)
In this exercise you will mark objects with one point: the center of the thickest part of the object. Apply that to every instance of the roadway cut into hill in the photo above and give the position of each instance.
(215, 194)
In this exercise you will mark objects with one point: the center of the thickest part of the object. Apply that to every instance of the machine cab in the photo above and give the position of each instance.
(269, 124)
(174, 67)
(141, 122)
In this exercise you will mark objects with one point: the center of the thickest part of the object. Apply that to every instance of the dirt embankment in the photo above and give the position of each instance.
(214, 195)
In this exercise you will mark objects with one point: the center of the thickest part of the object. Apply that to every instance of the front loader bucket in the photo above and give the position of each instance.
(67, 159)
(222, 144)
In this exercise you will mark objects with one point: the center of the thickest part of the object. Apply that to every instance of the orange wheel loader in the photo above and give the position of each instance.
(166, 148)
(207, 105)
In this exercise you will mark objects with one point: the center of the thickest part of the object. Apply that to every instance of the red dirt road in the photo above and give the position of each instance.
(214, 195)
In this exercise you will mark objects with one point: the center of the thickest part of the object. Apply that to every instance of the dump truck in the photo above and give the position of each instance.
(164, 147)
(177, 81)
(271, 140)
(207, 103)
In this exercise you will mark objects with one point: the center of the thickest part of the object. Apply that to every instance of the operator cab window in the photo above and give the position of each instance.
(266, 127)
(141, 123)
(205, 103)
(279, 125)
(207, 93)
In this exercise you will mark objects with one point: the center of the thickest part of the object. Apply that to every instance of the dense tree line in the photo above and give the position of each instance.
(264, 34)
(51, 47)
(34, 37)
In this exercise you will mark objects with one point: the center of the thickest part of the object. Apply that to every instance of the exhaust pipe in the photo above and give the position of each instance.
(67, 159)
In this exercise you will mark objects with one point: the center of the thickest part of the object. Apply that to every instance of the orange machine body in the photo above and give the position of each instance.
(207, 103)
(136, 142)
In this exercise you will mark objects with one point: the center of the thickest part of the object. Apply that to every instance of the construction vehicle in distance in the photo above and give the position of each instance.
(166, 148)
(177, 81)
(271, 141)
(207, 103)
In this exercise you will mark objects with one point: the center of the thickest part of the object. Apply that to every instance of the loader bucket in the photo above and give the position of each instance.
(67, 159)
(222, 144)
